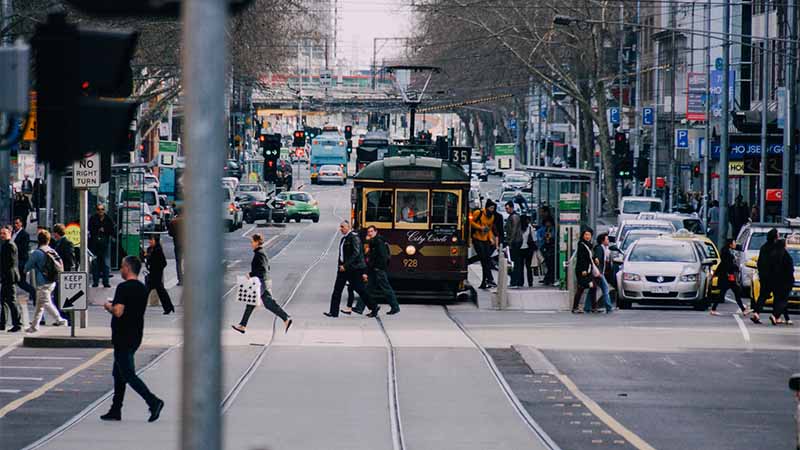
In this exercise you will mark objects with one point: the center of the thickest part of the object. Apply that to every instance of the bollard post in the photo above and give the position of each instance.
(501, 301)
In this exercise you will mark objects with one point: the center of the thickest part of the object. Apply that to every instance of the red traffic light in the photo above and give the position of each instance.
(261, 138)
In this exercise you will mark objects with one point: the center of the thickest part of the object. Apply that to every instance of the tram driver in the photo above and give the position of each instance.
(409, 211)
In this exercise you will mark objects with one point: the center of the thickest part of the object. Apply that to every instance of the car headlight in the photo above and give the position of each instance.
(631, 277)
(689, 277)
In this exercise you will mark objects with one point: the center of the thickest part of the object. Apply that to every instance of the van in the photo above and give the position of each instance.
(630, 207)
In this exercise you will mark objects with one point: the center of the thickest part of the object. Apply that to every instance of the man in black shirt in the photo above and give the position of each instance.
(127, 327)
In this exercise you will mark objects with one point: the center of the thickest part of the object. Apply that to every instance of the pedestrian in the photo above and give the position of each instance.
(66, 251)
(9, 276)
(350, 268)
(259, 268)
(548, 249)
(288, 177)
(513, 233)
(22, 241)
(601, 260)
(726, 278)
(127, 329)
(377, 278)
(101, 231)
(755, 214)
(583, 270)
(175, 232)
(766, 265)
(27, 185)
(483, 241)
(784, 283)
(156, 262)
(713, 221)
(528, 249)
(22, 208)
(738, 214)
(44, 261)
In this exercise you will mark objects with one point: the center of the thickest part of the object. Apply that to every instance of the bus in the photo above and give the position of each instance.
(374, 147)
(328, 148)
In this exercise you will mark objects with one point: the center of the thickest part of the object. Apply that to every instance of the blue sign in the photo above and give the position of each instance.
(740, 150)
(716, 92)
(543, 112)
(682, 138)
(167, 182)
(648, 116)
(614, 115)
(686, 167)
(512, 124)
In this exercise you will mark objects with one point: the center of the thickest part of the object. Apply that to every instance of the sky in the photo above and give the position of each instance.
(360, 21)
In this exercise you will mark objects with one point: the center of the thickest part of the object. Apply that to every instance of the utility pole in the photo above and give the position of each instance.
(5, 155)
(621, 75)
(204, 63)
(724, 138)
(674, 78)
(762, 173)
(539, 126)
(706, 153)
(637, 143)
(654, 155)
(791, 108)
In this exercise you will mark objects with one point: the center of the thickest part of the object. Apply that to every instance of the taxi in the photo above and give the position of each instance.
(708, 250)
(793, 247)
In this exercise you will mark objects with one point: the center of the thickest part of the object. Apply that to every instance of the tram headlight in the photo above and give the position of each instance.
(411, 250)
(454, 239)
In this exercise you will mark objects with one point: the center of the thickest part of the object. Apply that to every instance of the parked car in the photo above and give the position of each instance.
(663, 271)
(330, 173)
(480, 170)
(491, 166)
(689, 222)
(255, 207)
(516, 181)
(300, 205)
(233, 169)
(751, 237)
(231, 211)
(630, 207)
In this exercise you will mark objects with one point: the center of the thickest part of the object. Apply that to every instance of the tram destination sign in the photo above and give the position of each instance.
(412, 175)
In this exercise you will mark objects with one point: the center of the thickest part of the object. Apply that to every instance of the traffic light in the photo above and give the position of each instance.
(348, 132)
(82, 77)
(696, 170)
(643, 166)
(622, 155)
(271, 147)
(299, 139)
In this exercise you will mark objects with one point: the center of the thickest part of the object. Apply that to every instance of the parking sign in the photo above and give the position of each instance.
(647, 116)
(682, 138)
(614, 115)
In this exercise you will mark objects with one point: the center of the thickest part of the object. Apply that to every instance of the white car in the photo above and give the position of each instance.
(516, 181)
(630, 207)
(151, 181)
(148, 196)
(231, 211)
(249, 187)
(625, 227)
(231, 182)
(479, 170)
(491, 166)
(330, 173)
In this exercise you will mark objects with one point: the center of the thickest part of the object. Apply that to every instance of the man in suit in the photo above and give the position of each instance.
(9, 275)
(351, 267)
(22, 241)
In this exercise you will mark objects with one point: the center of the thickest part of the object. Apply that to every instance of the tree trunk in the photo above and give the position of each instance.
(586, 129)
(605, 147)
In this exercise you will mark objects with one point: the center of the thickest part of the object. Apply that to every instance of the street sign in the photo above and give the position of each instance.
(648, 116)
(86, 172)
(613, 115)
(73, 290)
(325, 78)
(682, 138)
(716, 92)
(774, 195)
(686, 167)
(695, 98)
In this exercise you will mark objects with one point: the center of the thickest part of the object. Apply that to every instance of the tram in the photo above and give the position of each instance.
(419, 205)
(373, 148)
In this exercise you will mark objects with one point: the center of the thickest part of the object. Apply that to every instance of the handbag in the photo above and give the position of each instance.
(538, 259)
(248, 290)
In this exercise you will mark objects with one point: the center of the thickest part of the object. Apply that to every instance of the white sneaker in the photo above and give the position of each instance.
(31, 330)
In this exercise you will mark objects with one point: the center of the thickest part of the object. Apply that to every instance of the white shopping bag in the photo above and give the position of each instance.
(248, 290)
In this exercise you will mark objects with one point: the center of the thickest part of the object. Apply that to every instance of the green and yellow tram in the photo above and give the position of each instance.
(420, 206)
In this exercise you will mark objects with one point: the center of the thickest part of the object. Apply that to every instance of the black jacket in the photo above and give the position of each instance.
(727, 264)
(9, 265)
(352, 252)
(259, 266)
(156, 261)
(584, 258)
(766, 261)
(378, 256)
(600, 255)
(784, 277)
(100, 232)
(66, 251)
(22, 241)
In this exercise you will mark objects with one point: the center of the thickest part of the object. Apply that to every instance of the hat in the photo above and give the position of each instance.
(490, 203)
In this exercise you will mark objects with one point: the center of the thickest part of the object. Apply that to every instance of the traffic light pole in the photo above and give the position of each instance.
(5, 155)
(638, 112)
(790, 125)
(725, 120)
(204, 66)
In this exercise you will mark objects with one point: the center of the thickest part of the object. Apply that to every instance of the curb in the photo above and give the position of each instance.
(66, 342)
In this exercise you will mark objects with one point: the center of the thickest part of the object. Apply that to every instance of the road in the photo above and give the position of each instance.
(644, 378)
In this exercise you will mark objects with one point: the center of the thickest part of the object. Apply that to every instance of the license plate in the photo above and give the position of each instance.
(305, 213)
(660, 289)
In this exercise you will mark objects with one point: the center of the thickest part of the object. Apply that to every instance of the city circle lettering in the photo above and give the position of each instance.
(428, 237)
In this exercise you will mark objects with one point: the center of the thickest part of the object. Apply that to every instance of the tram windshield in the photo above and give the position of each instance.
(379, 206)
(445, 208)
(412, 207)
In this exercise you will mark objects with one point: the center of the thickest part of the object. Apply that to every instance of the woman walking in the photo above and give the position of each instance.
(583, 269)
(601, 266)
(726, 278)
(784, 283)
(527, 248)
(259, 268)
(156, 263)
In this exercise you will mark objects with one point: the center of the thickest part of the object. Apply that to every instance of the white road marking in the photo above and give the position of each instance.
(742, 328)
(230, 264)
(32, 367)
(735, 364)
(670, 361)
(249, 230)
(46, 357)
(10, 347)
(9, 391)
(22, 378)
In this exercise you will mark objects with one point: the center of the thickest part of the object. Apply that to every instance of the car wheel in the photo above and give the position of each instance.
(297, 219)
(623, 303)
(315, 219)
(701, 305)
(249, 220)
(231, 227)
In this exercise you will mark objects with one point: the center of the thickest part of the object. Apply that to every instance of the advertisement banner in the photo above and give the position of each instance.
(695, 98)
(716, 92)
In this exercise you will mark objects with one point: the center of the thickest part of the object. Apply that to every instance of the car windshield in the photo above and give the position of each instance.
(300, 197)
(516, 179)
(693, 225)
(635, 236)
(638, 206)
(795, 254)
(249, 188)
(226, 195)
(629, 228)
(674, 252)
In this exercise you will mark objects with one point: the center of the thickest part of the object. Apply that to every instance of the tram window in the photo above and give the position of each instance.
(379, 206)
(445, 207)
(412, 207)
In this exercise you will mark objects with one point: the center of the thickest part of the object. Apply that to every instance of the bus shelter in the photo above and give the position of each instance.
(572, 197)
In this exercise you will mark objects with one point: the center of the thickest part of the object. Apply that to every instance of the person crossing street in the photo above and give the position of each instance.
(156, 263)
(377, 278)
(350, 268)
(43, 262)
(9, 276)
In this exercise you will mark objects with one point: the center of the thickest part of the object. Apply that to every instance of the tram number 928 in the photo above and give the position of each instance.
(410, 263)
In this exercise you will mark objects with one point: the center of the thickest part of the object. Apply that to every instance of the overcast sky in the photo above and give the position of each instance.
(360, 21)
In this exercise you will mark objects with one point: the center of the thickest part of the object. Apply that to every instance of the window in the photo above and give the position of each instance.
(445, 207)
(412, 209)
(663, 253)
(301, 197)
(378, 206)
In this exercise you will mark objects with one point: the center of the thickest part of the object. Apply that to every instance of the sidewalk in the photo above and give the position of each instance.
(537, 298)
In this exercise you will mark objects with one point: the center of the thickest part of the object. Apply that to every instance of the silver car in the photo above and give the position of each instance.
(330, 173)
(663, 271)
(751, 237)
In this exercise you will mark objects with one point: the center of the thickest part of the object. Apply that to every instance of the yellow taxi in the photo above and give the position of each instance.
(793, 247)
(707, 250)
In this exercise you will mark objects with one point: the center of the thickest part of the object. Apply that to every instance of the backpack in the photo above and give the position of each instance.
(52, 266)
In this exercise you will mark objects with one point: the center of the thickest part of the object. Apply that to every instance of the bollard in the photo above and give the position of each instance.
(794, 384)
(501, 299)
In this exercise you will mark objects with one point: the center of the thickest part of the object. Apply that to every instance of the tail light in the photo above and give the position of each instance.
(158, 210)
(290, 203)
(258, 203)
(341, 143)
(231, 207)
(148, 218)
(315, 142)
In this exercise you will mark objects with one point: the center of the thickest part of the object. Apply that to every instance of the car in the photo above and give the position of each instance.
(689, 222)
(528, 208)
(479, 170)
(663, 271)
(231, 182)
(300, 205)
(151, 198)
(618, 234)
(231, 211)
(491, 166)
(630, 207)
(133, 212)
(793, 247)
(708, 249)
(255, 206)
(618, 249)
(249, 187)
(233, 169)
(516, 181)
(151, 181)
(751, 237)
(330, 173)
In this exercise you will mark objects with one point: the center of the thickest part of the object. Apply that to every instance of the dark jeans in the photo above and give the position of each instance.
(527, 260)
(484, 249)
(354, 278)
(8, 299)
(378, 285)
(24, 285)
(780, 303)
(100, 268)
(125, 373)
(155, 280)
(269, 303)
(351, 297)
(766, 289)
(516, 258)
(724, 285)
(179, 263)
(550, 263)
